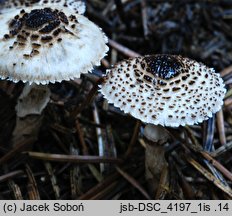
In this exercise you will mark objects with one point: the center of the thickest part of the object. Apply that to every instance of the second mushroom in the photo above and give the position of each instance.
(45, 42)
(163, 90)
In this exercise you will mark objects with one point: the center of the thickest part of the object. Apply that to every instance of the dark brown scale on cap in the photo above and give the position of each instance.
(147, 78)
(57, 32)
(36, 45)
(21, 44)
(50, 27)
(15, 26)
(176, 89)
(34, 52)
(28, 27)
(34, 37)
(63, 17)
(6, 36)
(38, 17)
(22, 11)
(21, 37)
(46, 39)
(163, 66)
(26, 56)
(12, 23)
(72, 17)
(42, 20)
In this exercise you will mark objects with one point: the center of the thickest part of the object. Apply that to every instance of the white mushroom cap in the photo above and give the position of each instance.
(48, 44)
(164, 89)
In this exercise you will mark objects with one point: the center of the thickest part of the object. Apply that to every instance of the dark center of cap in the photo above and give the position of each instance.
(163, 66)
(37, 18)
(42, 20)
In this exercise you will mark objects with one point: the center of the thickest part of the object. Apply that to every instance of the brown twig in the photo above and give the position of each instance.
(133, 139)
(88, 98)
(133, 182)
(126, 51)
(226, 71)
(121, 12)
(219, 166)
(144, 16)
(32, 185)
(92, 168)
(19, 147)
(222, 149)
(100, 186)
(16, 190)
(186, 187)
(163, 184)
(228, 102)
(196, 145)
(221, 127)
(107, 190)
(73, 158)
(10, 175)
(53, 179)
(209, 176)
(81, 138)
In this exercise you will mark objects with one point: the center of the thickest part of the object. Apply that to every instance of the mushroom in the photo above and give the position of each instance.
(46, 41)
(164, 90)
(167, 90)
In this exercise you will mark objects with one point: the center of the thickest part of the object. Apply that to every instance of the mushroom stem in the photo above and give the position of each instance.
(33, 99)
(155, 161)
(31, 103)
